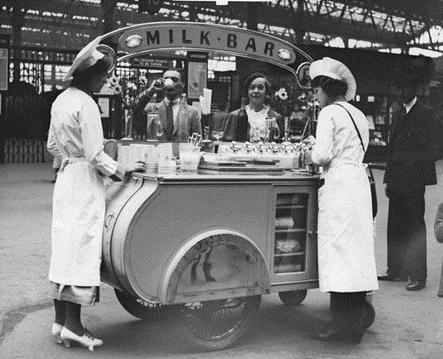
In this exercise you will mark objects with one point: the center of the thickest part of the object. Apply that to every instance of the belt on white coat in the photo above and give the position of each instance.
(338, 164)
(69, 160)
(344, 163)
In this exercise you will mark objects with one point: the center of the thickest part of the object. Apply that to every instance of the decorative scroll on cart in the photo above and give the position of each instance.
(207, 246)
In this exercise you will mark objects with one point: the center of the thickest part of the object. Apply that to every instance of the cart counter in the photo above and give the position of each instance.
(177, 238)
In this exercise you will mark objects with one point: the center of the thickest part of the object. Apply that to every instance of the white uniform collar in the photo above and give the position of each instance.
(410, 104)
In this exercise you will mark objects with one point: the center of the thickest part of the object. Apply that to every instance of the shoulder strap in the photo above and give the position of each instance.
(356, 128)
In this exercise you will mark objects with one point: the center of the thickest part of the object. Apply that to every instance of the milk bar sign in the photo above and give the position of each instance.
(207, 37)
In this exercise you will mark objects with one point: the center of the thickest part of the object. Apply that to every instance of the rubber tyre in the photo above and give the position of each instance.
(369, 315)
(293, 297)
(219, 324)
(142, 310)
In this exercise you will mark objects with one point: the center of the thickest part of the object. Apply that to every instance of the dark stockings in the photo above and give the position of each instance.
(60, 312)
(68, 315)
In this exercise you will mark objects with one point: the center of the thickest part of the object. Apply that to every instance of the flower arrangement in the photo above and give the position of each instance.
(282, 103)
(282, 94)
(296, 106)
(127, 87)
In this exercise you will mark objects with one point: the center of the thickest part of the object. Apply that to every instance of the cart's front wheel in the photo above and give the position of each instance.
(218, 324)
(141, 309)
(293, 297)
(369, 314)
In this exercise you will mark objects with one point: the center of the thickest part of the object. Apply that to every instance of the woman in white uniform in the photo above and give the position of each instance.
(346, 259)
(76, 135)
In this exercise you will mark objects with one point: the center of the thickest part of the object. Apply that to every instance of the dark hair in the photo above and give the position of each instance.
(82, 77)
(251, 78)
(331, 87)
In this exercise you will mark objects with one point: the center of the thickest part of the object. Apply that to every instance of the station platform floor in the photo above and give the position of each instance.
(408, 325)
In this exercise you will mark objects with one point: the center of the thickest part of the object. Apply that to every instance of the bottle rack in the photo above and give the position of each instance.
(290, 232)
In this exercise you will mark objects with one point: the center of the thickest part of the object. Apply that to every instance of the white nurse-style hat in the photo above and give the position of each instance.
(335, 70)
(87, 57)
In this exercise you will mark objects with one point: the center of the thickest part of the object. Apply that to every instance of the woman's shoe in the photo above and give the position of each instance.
(87, 340)
(56, 329)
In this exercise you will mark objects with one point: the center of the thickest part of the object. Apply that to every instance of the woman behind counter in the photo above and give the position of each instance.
(78, 207)
(346, 259)
(257, 89)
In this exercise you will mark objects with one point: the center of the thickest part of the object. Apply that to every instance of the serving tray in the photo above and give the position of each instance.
(245, 168)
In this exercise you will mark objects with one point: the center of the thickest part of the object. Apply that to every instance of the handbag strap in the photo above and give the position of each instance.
(359, 136)
(356, 128)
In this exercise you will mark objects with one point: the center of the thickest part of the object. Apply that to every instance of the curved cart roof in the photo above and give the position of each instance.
(151, 37)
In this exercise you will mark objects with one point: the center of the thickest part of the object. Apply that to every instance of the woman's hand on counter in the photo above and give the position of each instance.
(135, 167)
(310, 140)
(308, 155)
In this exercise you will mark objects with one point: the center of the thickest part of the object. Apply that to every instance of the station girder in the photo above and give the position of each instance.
(381, 24)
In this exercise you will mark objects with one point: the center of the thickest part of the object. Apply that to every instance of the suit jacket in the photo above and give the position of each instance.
(414, 146)
(230, 125)
(187, 122)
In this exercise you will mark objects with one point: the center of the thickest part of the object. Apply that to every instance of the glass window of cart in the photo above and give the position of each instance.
(290, 232)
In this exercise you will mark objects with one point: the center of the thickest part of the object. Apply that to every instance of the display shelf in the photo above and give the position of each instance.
(290, 266)
(290, 206)
(290, 232)
(289, 254)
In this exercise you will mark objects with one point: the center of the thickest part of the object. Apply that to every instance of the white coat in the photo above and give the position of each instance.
(346, 258)
(78, 207)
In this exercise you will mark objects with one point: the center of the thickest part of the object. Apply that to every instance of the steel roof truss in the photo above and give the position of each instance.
(382, 21)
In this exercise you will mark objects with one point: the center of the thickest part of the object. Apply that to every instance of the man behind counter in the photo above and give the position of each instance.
(179, 121)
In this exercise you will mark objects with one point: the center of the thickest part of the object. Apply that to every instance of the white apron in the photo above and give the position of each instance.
(346, 259)
(345, 232)
(78, 212)
(78, 209)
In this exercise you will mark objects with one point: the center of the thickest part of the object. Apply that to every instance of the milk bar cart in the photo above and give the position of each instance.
(206, 246)
(213, 244)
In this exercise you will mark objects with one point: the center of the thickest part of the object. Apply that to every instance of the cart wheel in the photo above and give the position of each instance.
(369, 314)
(293, 297)
(218, 324)
(141, 309)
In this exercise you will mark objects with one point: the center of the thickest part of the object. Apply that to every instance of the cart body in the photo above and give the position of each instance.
(180, 238)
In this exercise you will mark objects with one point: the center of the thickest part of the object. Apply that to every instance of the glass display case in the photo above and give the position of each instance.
(290, 232)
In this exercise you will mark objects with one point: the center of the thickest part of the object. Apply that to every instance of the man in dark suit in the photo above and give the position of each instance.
(178, 120)
(414, 146)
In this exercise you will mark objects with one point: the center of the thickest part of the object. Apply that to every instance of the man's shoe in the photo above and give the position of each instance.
(416, 285)
(390, 278)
